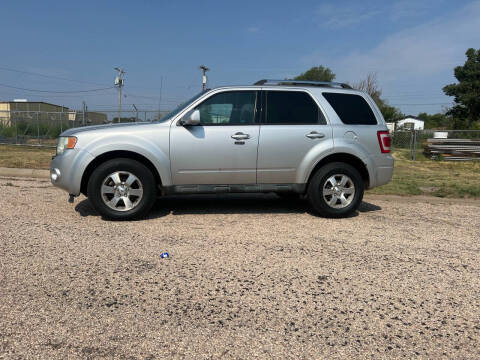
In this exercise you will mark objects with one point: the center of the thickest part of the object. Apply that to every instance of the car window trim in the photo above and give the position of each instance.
(264, 105)
(228, 91)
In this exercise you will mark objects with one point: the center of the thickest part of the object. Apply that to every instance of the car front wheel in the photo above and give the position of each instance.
(336, 190)
(122, 189)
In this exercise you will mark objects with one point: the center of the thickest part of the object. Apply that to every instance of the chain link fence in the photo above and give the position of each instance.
(41, 128)
(438, 144)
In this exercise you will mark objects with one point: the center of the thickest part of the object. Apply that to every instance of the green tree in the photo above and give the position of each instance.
(390, 113)
(370, 86)
(317, 73)
(436, 121)
(466, 92)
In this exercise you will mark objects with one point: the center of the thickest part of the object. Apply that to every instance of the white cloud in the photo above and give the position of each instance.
(253, 29)
(419, 59)
(335, 16)
(425, 49)
(407, 9)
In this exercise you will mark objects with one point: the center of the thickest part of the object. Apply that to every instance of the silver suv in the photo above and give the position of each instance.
(321, 140)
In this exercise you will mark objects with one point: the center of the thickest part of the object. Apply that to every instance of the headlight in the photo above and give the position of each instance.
(65, 142)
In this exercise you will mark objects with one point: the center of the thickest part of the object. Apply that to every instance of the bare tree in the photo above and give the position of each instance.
(370, 86)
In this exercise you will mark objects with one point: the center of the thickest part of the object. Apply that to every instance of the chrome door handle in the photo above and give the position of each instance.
(240, 136)
(315, 135)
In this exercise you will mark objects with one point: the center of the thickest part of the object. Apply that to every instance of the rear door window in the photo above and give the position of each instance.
(351, 109)
(291, 108)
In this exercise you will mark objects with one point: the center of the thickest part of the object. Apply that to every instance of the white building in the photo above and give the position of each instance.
(390, 126)
(410, 122)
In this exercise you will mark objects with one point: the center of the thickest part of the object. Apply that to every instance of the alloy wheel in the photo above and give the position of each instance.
(338, 191)
(121, 191)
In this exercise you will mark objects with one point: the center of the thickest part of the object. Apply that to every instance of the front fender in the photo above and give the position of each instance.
(137, 144)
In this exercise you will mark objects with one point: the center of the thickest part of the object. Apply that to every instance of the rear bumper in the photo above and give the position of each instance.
(383, 170)
(384, 175)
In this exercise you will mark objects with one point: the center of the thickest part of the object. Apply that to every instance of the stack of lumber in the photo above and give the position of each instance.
(453, 149)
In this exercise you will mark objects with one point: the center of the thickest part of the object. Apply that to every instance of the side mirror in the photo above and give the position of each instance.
(191, 119)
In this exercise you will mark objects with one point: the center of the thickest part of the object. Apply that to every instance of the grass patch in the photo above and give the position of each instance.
(436, 178)
(25, 157)
(421, 177)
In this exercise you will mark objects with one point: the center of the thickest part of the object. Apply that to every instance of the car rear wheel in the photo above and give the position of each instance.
(336, 190)
(122, 189)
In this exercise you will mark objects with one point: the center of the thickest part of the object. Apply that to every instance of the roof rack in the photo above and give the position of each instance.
(303, 83)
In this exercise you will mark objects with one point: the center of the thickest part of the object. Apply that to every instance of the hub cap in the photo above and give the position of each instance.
(338, 191)
(121, 191)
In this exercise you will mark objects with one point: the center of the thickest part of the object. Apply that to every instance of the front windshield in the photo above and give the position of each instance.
(180, 107)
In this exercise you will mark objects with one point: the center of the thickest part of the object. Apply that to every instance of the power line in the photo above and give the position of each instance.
(413, 93)
(49, 96)
(78, 81)
(156, 105)
(55, 91)
(112, 110)
(129, 95)
(138, 104)
(421, 104)
(141, 96)
(419, 96)
(85, 82)
(150, 97)
(48, 76)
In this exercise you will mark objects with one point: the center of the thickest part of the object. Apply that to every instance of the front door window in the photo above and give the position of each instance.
(229, 108)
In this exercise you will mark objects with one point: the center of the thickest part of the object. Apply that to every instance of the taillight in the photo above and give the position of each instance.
(384, 141)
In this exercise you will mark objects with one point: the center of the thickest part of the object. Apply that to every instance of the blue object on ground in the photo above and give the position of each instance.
(164, 255)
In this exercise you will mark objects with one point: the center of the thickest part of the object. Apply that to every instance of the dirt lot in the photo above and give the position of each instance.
(249, 276)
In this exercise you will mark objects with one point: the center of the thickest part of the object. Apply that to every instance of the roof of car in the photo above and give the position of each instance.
(292, 84)
(272, 84)
(303, 83)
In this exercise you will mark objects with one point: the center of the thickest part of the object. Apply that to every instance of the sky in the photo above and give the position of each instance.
(66, 46)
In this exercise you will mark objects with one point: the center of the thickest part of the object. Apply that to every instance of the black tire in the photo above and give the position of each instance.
(320, 178)
(136, 168)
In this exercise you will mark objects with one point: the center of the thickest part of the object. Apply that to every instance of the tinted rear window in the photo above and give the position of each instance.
(291, 107)
(351, 109)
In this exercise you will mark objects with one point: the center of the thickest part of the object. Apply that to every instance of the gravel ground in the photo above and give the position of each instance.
(248, 277)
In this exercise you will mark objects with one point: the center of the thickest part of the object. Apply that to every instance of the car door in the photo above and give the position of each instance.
(293, 133)
(222, 149)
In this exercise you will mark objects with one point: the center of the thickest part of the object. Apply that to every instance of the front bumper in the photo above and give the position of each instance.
(66, 170)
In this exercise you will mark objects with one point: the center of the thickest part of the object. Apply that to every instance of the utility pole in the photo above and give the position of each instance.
(160, 98)
(136, 112)
(204, 76)
(119, 85)
(83, 112)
